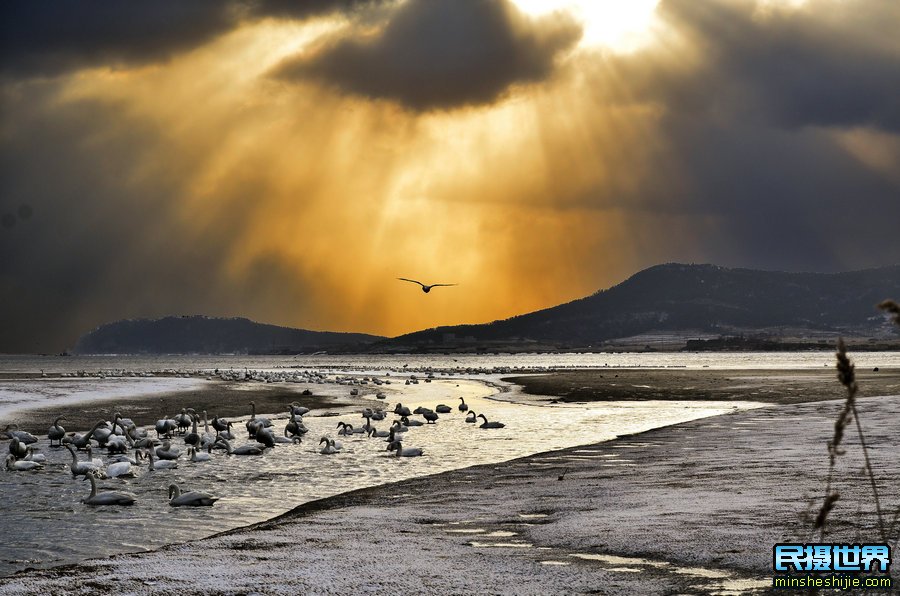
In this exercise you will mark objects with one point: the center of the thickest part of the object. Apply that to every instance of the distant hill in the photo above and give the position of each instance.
(208, 335)
(688, 300)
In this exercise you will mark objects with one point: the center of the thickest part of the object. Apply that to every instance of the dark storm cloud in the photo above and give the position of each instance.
(47, 37)
(302, 9)
(753, 129)
(50, 36)
(832, 63)
(442, 54)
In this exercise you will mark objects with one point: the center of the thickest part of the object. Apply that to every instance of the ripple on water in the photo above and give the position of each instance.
(501, 544)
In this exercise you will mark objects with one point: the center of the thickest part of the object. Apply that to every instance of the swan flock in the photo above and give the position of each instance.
(133, 451)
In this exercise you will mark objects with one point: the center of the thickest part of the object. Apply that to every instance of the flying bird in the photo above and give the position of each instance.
(425, 288)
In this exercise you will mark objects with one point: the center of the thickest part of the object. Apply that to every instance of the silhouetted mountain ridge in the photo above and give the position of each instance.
(677, 299)
(211, 335)
(706, 298)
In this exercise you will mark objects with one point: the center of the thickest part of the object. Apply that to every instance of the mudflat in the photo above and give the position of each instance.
(779, 386)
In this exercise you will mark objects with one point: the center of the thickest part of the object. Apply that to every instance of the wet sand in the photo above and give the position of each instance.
(692, 508)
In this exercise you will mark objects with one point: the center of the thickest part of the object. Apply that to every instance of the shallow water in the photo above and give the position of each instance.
(45, 523)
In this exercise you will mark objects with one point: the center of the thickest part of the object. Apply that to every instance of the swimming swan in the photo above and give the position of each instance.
(199, 456)
(80, 468)
(255, 424)
(165, 464)
(106, 497)
(120, 469)
(329, 448)
(21, 466)
(189, 499)
(17, 448)
(399, 451)
(165, 451)
(487, 424)
(249, 449)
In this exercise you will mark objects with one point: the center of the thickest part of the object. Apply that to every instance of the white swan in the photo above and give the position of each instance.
(35, 457)
(165, 426)
(107, 497)
(397, 427)
(80, 468)
(207, 438)
(298, 410)
(248, 449)
(189, 499)
(138, 455)
(220, 424)
(120, 469)
(399, 451)
(118, 443)
(96, 461)
(17, 448)
(23, 436)
(255, 424)
(165, 451)
(21, 466)
(295, 426)
(56, 433)
(266, 437)
(349, 429)
(81, 441)
(198, 456)
(103, 432)
(165, 464)
(193, 437)
(329, 448)
(487, 424)
(183, 420)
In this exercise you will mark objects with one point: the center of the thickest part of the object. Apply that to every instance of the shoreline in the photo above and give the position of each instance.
(586, 464)
(222, 398)
(676, 533)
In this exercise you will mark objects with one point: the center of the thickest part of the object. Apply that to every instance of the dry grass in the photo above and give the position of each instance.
(847, 377)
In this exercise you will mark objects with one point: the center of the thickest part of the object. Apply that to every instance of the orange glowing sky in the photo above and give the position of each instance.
(289, 166)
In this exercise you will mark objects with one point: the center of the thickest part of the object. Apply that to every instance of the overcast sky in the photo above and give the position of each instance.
(286, 161)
